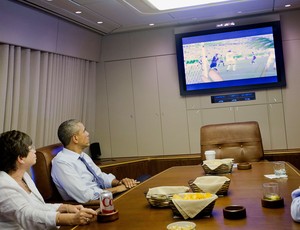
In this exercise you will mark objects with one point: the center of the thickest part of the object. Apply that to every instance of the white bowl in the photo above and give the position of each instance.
(182, 225)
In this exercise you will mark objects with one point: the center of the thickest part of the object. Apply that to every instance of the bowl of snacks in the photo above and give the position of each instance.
(160, 197)
(218, 166)
(213, 184)
(182, 225)
(193, 205)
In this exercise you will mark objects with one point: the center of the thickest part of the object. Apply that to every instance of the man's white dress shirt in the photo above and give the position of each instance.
(72, 178)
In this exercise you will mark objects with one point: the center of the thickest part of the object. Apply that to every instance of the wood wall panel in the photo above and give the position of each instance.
(147, 166)
(293, 158)
(136, 167)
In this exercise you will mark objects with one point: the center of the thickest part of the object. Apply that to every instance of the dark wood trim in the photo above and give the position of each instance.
(134, 167)
(146, 166)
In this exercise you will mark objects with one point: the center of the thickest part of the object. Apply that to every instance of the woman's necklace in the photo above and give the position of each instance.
(21, 182)
(24, 186)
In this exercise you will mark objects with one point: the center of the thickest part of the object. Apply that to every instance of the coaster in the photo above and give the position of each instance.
(272, 203)
(234, 212)
(108, 217)
(244, 166)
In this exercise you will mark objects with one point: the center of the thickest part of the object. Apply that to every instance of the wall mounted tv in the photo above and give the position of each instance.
(230, 59)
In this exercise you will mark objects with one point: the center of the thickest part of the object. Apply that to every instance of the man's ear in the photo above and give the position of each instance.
(75, 139)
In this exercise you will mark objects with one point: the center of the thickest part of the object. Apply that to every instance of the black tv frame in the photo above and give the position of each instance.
(253, 83)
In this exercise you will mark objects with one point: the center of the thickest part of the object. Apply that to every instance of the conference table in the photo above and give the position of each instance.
(245, 189)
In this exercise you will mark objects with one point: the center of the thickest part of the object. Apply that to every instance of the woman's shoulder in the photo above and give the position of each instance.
(3, 175)
(5, 179)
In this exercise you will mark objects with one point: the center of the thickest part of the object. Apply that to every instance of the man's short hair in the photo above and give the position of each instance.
(66, 130)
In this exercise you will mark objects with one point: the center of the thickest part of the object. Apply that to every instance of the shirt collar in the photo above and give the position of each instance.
(72, 154)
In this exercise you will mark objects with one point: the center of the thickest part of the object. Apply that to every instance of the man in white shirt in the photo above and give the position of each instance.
(73, 178)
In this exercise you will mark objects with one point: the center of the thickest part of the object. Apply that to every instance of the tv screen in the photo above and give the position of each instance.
(230, 59)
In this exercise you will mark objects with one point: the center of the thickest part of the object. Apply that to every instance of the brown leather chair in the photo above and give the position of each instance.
(240, 140)
(41, 174)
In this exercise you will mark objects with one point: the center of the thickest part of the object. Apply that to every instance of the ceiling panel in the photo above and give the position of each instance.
(119, 16)
(226, 10)
(279, 4)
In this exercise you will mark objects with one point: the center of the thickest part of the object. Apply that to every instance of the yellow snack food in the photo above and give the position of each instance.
(176, 196)
(192, 196)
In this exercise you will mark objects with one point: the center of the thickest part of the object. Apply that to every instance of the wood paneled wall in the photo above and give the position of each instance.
(136, 167)
(145, 166)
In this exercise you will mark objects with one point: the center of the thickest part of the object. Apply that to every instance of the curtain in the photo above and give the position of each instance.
(40, 90)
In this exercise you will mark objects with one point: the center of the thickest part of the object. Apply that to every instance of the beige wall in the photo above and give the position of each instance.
(157, 43)
(291, 94)
(30, 28)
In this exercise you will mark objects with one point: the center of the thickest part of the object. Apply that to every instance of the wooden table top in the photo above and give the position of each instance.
(245, 189)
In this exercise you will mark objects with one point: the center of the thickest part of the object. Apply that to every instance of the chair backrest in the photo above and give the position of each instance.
(240, 140)
(95, 150)
(41, 175)
(41, 172)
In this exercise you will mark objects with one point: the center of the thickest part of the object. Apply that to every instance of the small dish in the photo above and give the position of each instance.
(182, 225)
(244, 166)
(234, 212)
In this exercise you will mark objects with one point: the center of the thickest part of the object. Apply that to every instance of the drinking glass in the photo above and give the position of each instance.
(210, 154)
(279, 168)
(271, 191)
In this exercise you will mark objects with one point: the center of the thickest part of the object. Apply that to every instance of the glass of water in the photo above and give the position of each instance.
(279, 168)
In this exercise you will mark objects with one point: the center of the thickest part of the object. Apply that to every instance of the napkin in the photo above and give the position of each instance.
(190, 208)
(211, 184)
(273, 176)
(166, 190)
(213, 164)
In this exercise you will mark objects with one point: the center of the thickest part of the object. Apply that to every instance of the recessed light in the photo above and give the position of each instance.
(151, 24)
(226, 24)
(175, 4)
(78, 12)
(287, 5)
(99, 22)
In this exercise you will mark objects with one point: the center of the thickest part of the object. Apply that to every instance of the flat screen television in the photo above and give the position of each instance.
(228, 59)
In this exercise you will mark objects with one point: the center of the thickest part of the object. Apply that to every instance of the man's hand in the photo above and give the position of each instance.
(129, 183)
(117, 189)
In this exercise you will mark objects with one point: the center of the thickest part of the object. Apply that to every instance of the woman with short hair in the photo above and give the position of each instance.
(21, 204)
